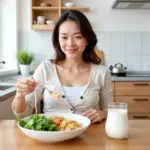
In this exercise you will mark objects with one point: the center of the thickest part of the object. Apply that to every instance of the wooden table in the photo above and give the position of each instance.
(95, 138)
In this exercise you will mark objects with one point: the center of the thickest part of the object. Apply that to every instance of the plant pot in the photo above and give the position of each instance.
(25, 69)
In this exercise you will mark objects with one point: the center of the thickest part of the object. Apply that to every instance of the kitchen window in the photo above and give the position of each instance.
(0, 30)
(8, 34)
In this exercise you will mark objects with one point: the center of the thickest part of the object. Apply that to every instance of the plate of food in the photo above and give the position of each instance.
(53, 127)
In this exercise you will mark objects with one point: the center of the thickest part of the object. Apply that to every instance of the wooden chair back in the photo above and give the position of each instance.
(100, 54)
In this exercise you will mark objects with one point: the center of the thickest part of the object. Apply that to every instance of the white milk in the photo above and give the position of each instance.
(117, 123)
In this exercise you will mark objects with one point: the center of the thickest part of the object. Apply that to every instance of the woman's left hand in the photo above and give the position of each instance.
(95, 115)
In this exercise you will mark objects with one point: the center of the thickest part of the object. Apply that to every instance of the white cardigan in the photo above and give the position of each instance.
(96, 95)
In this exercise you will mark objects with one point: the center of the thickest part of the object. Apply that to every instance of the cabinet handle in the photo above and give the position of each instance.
(140, 84)
(144, 99)
(140, 117)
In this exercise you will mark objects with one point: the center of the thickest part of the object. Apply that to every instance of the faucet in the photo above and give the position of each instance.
(3, 62)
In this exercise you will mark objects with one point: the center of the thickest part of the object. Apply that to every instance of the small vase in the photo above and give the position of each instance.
(25, 70)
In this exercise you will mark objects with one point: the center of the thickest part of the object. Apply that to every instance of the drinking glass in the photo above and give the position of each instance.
(117, 120)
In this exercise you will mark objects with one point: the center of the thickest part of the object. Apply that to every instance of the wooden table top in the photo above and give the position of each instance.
(95, 138)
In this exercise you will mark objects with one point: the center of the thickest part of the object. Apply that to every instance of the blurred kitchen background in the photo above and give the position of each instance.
(123, 34)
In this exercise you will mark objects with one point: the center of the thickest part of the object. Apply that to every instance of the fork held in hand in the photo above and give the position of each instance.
(35, 102)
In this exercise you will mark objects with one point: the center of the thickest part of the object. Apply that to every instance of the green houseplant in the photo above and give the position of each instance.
(25, 58)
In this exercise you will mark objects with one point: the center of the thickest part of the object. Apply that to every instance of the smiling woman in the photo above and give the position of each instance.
(75, 73)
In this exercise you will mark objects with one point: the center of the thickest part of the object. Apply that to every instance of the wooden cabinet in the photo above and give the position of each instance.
(136, 94)
(6, 111)
(52, 11)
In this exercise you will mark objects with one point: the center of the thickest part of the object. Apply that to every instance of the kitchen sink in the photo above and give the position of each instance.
(5, 87)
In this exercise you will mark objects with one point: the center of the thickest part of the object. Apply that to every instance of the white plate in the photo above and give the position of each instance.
(58, 136)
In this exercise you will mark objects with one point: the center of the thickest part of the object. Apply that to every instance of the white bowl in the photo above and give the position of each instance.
(43, 4)
(70, 4)
(50, 22)
(58, 136)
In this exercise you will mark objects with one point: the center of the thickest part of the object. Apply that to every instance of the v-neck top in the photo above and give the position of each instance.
(96, 95)
(73, 93)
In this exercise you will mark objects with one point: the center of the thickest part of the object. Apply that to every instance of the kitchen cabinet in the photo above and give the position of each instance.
(52, 11)
(136, 94)
(6, 109)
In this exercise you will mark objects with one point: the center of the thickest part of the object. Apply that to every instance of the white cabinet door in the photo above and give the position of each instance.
(6, 110)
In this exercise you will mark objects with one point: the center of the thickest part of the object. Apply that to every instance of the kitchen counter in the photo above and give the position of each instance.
(8, 71)
(9, 81)
(5, 94)
(133, 76)
(113, 78)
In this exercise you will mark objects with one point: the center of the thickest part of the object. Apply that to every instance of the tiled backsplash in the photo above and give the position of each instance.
(132, 49)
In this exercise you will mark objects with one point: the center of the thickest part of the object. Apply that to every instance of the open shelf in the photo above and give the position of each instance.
(50, 12)
(45, 8)
(44, 27)
(83, 9)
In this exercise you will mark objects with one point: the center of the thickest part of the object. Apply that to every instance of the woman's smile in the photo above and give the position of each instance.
(71, 50)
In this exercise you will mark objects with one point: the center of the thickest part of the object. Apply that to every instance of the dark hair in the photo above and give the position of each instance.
(89, 54)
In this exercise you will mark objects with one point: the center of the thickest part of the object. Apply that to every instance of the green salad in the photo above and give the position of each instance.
(39, 123)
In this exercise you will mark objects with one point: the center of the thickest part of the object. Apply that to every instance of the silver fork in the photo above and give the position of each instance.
(43, 86)
(35, 96)
(36, 111)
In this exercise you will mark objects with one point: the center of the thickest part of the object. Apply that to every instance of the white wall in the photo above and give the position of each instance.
(8, 33)
(132, 48)
(105, 18)
(122, 34)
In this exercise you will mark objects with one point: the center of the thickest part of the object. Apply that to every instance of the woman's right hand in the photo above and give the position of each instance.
(25, 86)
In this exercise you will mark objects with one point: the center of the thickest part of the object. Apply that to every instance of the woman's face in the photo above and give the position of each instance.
(71, 40)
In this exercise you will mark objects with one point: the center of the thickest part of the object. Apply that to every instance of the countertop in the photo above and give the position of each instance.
(10, 81)
(4, 94)
(94, 138)
(8, 71)
(113, 78)
(133, 76)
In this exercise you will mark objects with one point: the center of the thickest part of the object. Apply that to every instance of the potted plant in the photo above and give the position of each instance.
(25, 58)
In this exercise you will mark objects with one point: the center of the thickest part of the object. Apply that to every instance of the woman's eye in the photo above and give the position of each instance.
(64, 37)
(78, 37)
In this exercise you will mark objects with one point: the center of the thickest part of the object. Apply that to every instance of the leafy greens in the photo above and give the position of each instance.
(39, 123)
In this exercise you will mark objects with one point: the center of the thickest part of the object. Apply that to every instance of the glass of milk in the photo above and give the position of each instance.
(117, 120)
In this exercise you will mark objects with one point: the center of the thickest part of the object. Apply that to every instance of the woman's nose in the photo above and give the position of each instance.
(70, 41)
